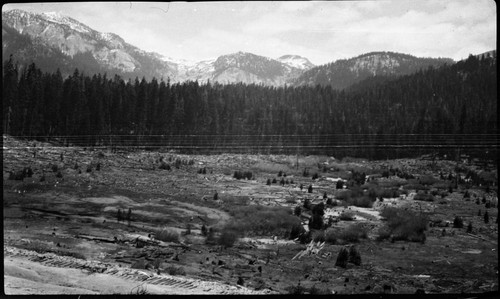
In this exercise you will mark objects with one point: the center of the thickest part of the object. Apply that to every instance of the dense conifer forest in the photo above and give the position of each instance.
(434, 110)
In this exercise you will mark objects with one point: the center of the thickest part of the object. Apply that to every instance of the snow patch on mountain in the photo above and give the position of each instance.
(296, 61)
(56, 17)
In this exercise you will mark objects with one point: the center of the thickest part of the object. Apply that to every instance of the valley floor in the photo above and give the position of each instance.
(62, 235)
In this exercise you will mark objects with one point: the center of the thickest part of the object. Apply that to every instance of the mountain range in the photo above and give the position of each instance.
(55, 41)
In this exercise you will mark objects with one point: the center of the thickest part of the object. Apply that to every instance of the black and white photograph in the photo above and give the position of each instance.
(250, 148)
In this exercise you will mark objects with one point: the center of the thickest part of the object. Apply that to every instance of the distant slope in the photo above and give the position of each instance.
(343, 73)
(54, 41)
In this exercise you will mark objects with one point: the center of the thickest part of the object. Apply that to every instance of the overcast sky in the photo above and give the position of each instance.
(322, 31)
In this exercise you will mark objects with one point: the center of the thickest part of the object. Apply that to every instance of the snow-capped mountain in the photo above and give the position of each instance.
(250, 68)
(56, 41)
(296, 61)
(38, 37)
(345, 72)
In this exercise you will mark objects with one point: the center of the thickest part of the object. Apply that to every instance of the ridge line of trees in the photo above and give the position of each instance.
(454, 106)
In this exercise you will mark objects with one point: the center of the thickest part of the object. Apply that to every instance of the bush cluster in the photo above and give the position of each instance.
(242, 175)
(227, 237)
(423, 196)
(350, 234)
(458, 222)
(404, 225)
(19, 175)
(167, 235)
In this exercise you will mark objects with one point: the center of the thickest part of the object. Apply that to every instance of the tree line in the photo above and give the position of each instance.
(436, 109)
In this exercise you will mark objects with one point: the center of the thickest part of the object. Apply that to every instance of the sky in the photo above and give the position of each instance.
(322, 31)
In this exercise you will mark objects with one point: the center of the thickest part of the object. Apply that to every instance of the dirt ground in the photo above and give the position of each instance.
(62, 235)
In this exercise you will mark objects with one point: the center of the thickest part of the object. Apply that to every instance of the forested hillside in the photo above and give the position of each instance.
(435, 109)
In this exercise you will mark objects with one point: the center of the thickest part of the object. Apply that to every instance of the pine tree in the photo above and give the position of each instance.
(129, 215)
(297, 211)
(469, 228)
(486, 217)
(342, 258)
(354, 256)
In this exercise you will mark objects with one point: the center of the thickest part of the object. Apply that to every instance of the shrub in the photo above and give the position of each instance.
(17, 175)
(486, 217)
(354, 256)
(211, 240)
(342, 258)
(318, 236)
(59, 175)
(227, 238)
(427, 180)
(297, 211)
(315, 176)
(178, 163)
(458, 222)
(172, 270)
(331, 236)
(296, 231)
(364, 202)
(317, 291)
(248, 175)
(316, 222)
(307, 203)
(164, 166)
(305, 173)
(405, 224)
(274, 181)
(204, 230)
(310, 189)
(469, 228)
(344, 195)
(268, 182)
(423, 197)
(139, 264)
(318, 209)
(347, 216)
(296, 290)
(54, 168)
(28, 172)
(339, 184)
(167, 235)
(353, 233)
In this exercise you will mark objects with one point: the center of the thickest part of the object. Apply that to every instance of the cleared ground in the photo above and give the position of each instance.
(62, 235)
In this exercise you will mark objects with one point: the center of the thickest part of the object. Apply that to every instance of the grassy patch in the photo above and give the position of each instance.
(351, 234)
(261, 220)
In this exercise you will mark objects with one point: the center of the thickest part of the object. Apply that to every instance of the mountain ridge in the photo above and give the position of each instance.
(44, 35)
